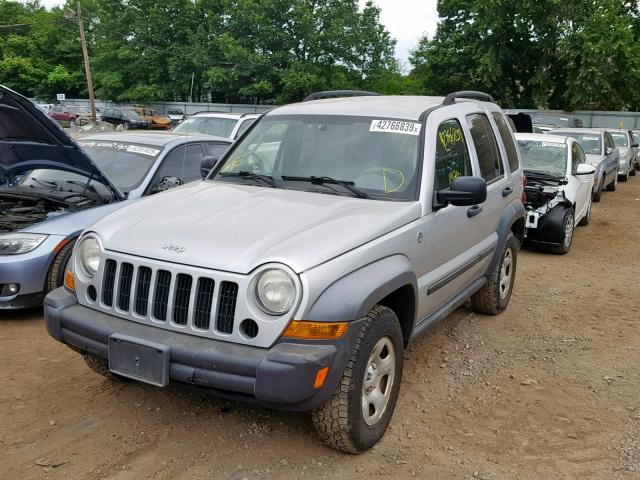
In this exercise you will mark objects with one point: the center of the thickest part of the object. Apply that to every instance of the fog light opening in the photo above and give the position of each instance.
(9, 289)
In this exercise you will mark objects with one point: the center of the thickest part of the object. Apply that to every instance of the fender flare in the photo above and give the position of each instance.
(354, 295)
(510, 215)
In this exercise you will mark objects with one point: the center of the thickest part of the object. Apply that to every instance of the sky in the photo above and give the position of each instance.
(406, 20)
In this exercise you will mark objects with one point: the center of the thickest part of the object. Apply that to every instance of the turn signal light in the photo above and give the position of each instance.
(69, 280)
(316, 330)
(321, 376)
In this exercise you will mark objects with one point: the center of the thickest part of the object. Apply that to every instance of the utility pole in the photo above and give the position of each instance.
(87, 66)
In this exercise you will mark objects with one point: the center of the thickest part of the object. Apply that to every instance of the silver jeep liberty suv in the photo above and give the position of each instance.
(333, 234)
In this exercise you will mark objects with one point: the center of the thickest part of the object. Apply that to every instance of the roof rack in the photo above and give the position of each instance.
(451, 98)
(339, 94)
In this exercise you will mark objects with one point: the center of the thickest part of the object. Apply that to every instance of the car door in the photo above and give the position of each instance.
(581, 186)
(454, 240)
(612, 158)
(486, 149)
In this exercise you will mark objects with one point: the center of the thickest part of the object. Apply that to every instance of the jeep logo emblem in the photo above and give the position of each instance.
(172, 247)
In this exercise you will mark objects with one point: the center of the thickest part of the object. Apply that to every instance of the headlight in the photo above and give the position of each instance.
(15, 243)
(275, 291)
(89, 256)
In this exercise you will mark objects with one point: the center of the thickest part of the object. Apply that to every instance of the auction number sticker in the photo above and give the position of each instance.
(553, 144)
(395, 126)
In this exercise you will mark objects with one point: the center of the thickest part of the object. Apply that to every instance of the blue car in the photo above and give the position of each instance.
(53, 187)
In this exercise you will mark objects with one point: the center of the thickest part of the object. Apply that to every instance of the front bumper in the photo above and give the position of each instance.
(29, 270)
(547, 227)
(280, 377)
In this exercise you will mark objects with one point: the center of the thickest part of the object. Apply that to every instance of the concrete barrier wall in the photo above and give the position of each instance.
(598, 119)
(187, 108)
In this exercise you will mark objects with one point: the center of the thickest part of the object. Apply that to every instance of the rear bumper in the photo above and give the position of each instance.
(280, 377)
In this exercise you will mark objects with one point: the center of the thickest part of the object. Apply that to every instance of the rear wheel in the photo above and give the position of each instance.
(55, 276)
(568, 226)
(494, 296)
(359, 413)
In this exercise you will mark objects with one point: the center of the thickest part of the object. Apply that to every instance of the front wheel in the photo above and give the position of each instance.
(613, 186)
(632, 169)
(587, 216)
(494, 296)
(568, 225)
(597, 194)
(55, 275)
(359, 413)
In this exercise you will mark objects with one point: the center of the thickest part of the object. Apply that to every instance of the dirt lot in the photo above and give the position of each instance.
(547, 390)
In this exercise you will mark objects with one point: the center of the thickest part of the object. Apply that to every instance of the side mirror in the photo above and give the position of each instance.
(608, 151)
(207, 165)
(464, 192)
(585, 169)
(166, 183)
(635, 145)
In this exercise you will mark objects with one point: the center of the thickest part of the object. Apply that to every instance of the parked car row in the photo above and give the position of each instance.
(328, 238)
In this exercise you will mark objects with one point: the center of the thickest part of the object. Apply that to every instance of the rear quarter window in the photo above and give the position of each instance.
(491, 166)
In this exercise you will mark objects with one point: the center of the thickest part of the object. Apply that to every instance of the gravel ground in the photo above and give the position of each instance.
(547, 390)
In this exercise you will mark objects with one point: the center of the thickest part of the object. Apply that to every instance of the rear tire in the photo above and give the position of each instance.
(55, 276)
(494, 296)
(375, 367)
(568, 228)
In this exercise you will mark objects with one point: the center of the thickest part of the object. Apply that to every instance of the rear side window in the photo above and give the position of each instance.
(452, 156)
(507, 138)
(491, 166)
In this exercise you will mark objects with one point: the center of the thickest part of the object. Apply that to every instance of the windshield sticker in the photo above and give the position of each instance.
(123, 147)
(552, 144)
(450, 136)
(395, 126)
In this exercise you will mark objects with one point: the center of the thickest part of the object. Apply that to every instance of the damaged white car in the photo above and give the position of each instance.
(559, 189)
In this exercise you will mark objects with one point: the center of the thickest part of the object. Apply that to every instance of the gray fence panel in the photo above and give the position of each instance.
(187, 108)
(598, 119)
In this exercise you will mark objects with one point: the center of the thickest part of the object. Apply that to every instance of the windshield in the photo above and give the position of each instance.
(544, 157)
(220, 127)
(124, 164)
(60, 180)
(376, 156)
(590, 143)
(131, 114)
(620, 139)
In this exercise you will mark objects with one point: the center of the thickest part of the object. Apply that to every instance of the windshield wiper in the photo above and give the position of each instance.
(45, 183)
(251, 176)
(329, 181)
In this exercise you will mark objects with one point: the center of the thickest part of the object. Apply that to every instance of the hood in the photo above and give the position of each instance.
(30, 139)
(236, 228)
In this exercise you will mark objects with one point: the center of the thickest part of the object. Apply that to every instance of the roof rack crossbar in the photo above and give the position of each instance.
(339, 94)
(451, 98)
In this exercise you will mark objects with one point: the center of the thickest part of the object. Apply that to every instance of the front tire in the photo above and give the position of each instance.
(568, 227)
(55, 275)
(494, 296)
(597, 194)
(613, 186)
(359, 413)
(587, 216)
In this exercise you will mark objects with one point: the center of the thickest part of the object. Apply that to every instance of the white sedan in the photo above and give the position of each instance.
(559, 189)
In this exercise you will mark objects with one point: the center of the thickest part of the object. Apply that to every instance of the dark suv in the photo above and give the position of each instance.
(127, 117)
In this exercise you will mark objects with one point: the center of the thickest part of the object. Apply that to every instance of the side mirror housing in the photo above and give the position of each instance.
(585, 169)
(166, 183)
(464, 192)
(608, 151)
(635, 145)
(207, 165)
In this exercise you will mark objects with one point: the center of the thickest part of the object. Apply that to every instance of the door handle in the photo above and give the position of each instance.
(507, 191)
(473, 211)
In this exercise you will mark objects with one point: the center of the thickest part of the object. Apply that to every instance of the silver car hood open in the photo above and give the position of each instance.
(30, 139)
(236, 228)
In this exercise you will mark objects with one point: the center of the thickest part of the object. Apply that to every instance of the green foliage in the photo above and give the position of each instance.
(235, 50)
(581, 54)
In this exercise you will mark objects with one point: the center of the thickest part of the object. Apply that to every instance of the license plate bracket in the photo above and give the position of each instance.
(139, 359)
